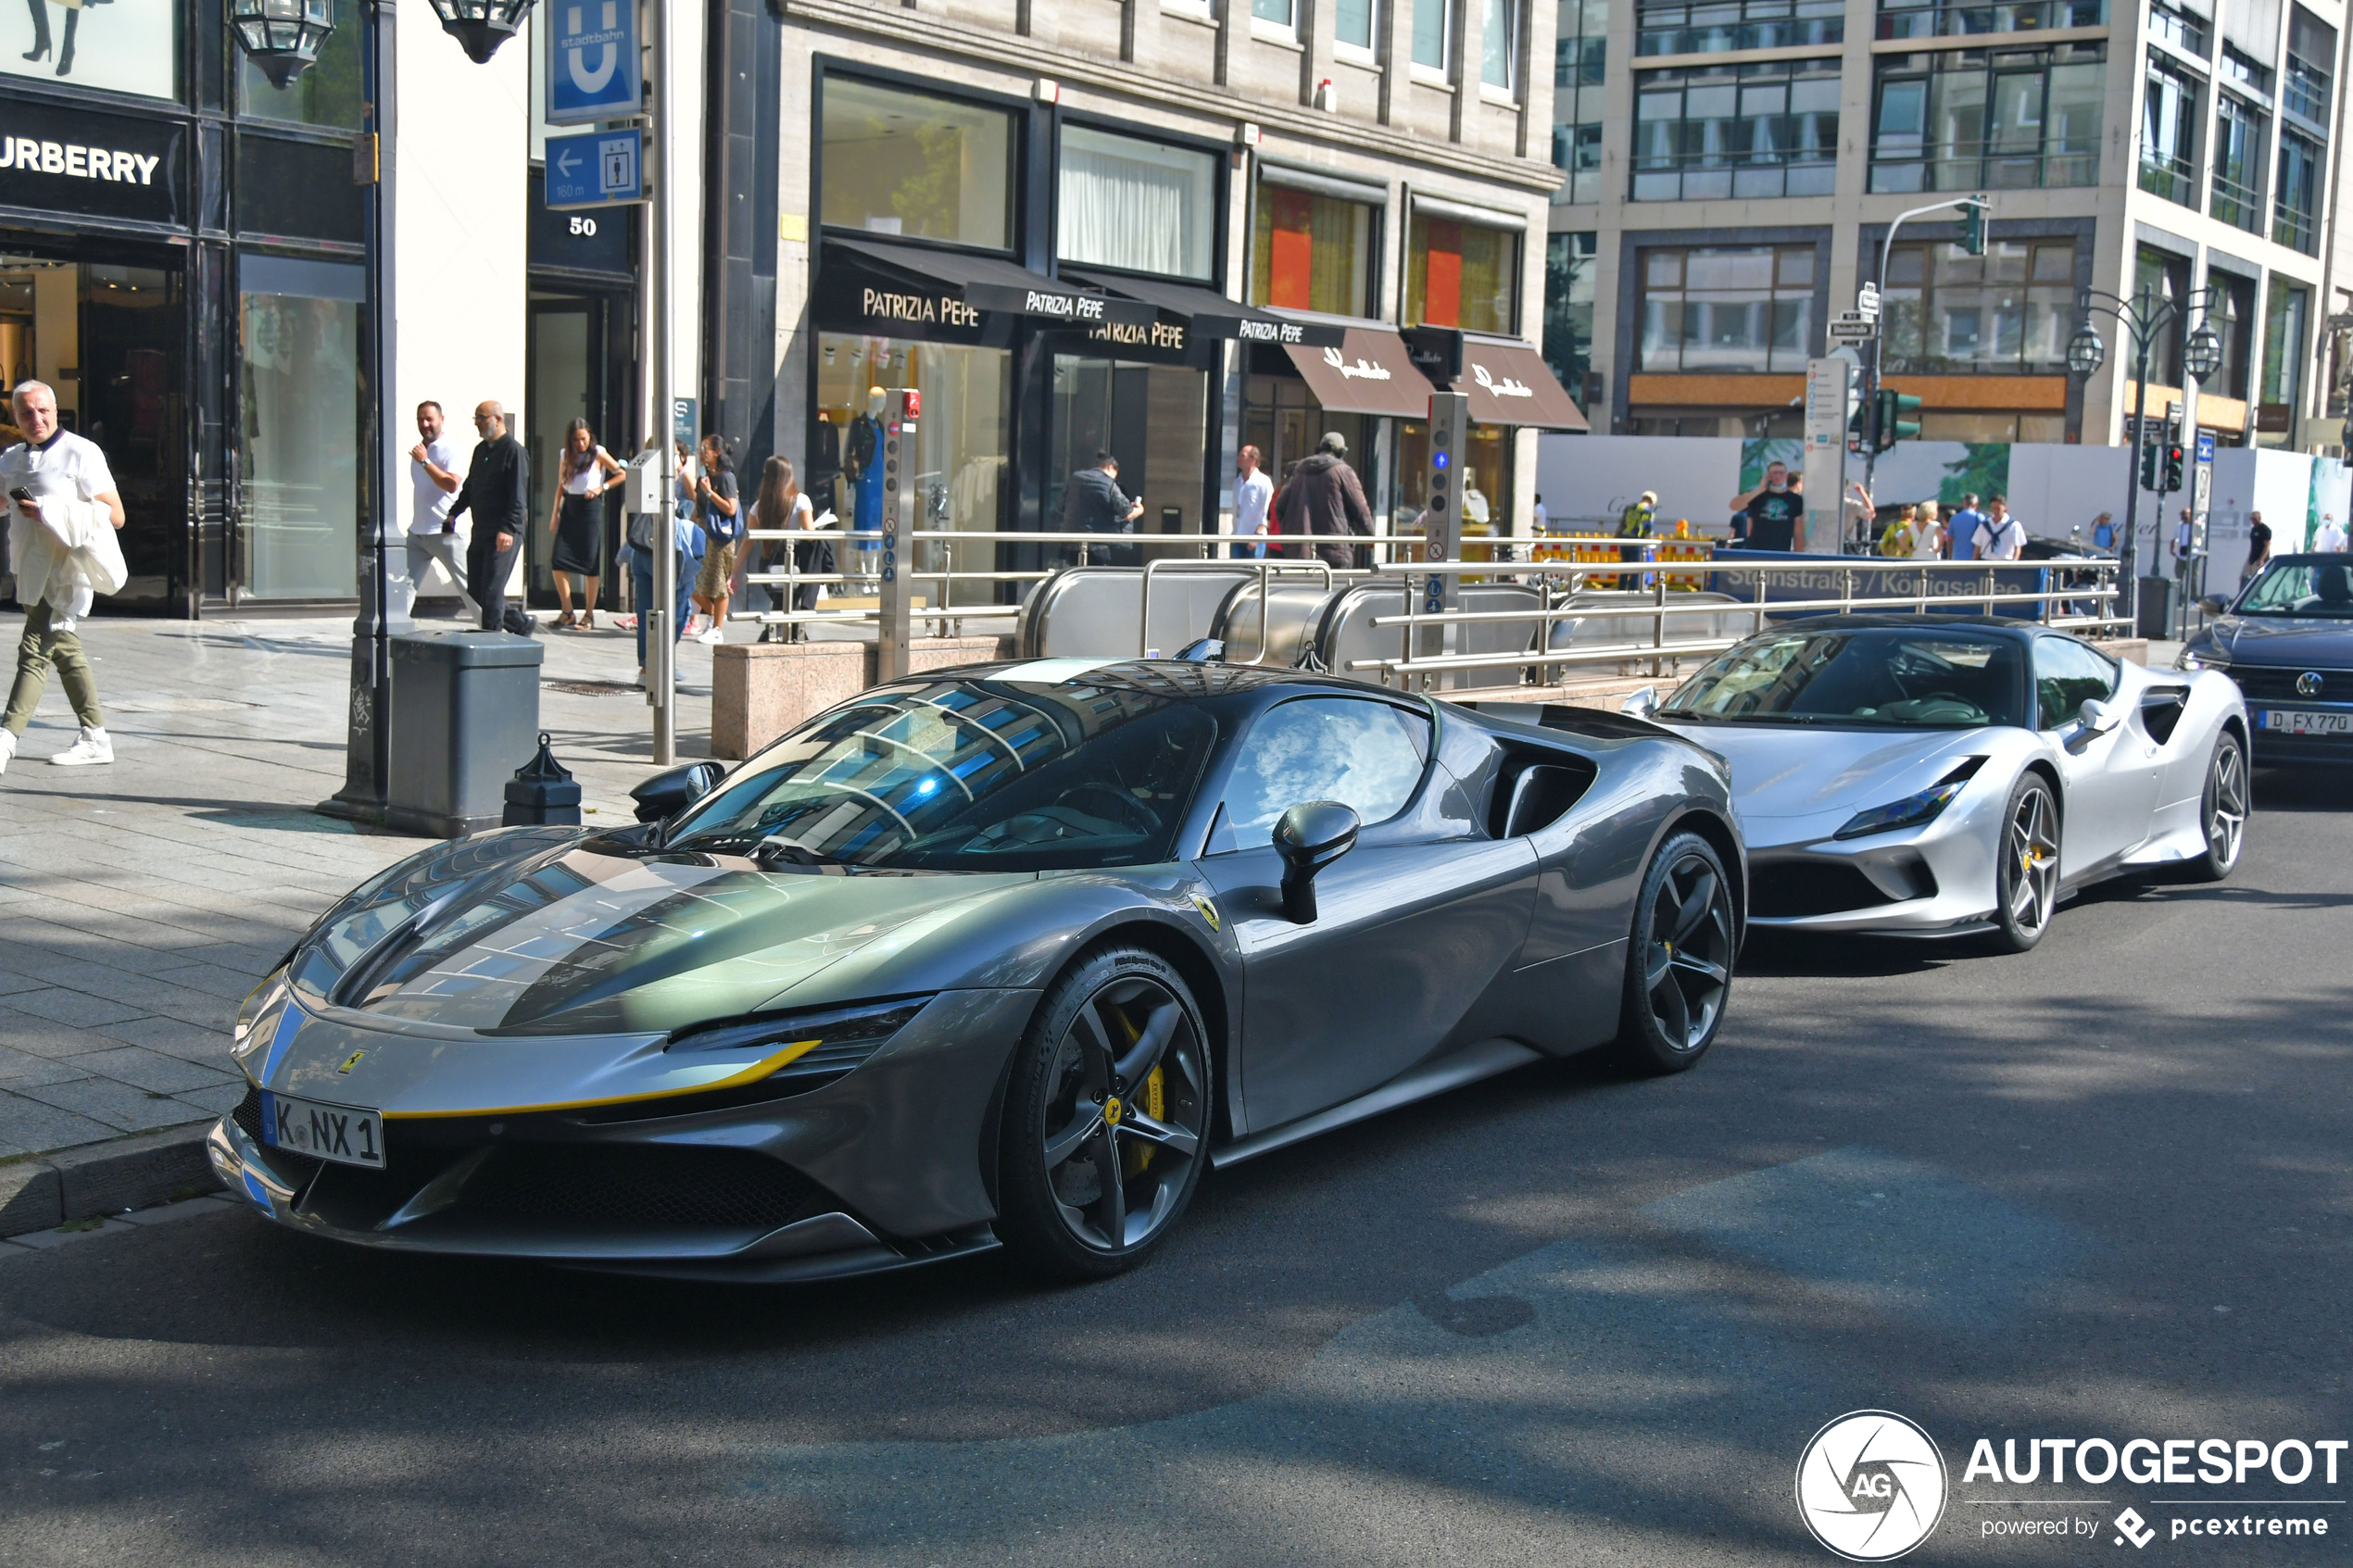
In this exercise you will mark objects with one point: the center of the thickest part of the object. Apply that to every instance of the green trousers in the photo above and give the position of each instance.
(39, 648)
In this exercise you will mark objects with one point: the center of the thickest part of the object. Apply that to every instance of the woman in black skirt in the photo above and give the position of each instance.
(578, 522)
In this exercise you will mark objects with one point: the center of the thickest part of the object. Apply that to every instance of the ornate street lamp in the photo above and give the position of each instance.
(480, 26)
(2086, 352)
(282, 36)
(2203, 355)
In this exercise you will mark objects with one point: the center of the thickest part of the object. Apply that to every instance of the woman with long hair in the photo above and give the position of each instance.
(716, 510)
(582, 473)
(782, 505)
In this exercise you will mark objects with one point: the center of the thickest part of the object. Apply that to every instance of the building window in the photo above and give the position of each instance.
(1432, 31)
(2184, 30)
(1311, 251)
(1969, 119)
(2009, 311)
(2284, 318)
(1959, 18)
(1462, 275)
(2237, 196)
(2231, 314)
(2311, 55)
(2159, 275)
(1499, 43)
(302, 331)
(2297, 195)
(329, 95)
(2239, 66)
(2169, 133)
(1580, 53)
(1355, 23)
(1721, 25)
(1571, 263)
(907, 163)
(1277, 12)
(1763, 130)
(1725, 308)
(1140, 206)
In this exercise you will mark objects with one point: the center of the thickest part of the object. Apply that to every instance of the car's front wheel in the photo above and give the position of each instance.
(1106, 1122)
(2223, 811)
(1679, 960)
(2026, 866)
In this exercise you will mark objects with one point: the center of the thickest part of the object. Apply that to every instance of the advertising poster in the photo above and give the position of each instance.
(115, 46)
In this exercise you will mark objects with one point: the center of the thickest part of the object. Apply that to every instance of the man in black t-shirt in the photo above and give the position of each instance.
(1776, 511)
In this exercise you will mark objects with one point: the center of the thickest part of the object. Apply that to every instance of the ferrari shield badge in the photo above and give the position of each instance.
(351, 1062)
(1208, 911)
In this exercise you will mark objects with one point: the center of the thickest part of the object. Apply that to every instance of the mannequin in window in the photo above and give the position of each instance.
(861, 460)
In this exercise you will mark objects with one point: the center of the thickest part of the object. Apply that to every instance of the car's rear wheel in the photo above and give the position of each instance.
(1678, 962)
(2026, 866)
(2223, 811)
(1106, 1122)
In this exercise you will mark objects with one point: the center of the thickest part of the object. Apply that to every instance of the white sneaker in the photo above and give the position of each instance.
(92, 747)
(716, 636)
(7, 748)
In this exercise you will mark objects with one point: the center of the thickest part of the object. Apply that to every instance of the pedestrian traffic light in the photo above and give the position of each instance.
(1858, 424)
(1889, 424)
(1971, 227)
(2152, 470)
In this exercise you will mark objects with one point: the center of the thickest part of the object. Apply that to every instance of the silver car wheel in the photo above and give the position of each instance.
(2226, 805)
(2034, 849)
(1126, 1114)
(1687, 963)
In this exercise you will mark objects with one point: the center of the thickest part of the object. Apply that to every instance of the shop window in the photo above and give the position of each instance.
(331, 94)
(2284, 311)
(301, 330)
(1581, 56)
(959, 466)
(1139, 206)
(1487, 482)
(1957, 19)
(1966, 119)
(1153, 418)
(298, 190)
(908, 163)
(1768, 129)
(1716, 26)
(2237, 197)
(1311, 251)
(2009, 311)
(1433, 33)
(1570, 265)
(1462, 275)
(1499, 43)
(128, 46)
(1727, 308)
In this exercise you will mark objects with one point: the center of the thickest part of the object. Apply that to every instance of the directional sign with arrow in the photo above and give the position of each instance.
(597, 168)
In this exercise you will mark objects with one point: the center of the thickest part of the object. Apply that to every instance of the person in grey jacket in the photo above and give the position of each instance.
(1324, 497)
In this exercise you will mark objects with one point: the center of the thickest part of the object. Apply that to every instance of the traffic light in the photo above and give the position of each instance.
(2152, 466)
(1971, 227)
(2172, 475)
(1858, 425)
(1888, 422)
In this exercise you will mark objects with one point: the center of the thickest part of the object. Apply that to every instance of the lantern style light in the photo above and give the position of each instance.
(480, 26)
(2203, 355)
(2086, 352)
(282, 36)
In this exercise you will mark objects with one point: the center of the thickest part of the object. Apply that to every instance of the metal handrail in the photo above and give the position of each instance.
(1267, 569)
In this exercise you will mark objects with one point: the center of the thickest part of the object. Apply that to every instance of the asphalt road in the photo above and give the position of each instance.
(2100, 1190)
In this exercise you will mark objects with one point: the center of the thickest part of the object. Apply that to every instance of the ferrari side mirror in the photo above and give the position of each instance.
(665, 795)
(2098, 716)
(1309, 837)
(2214, 604)
(1640, 704)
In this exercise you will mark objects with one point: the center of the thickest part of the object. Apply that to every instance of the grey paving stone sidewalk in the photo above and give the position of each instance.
(139, 903)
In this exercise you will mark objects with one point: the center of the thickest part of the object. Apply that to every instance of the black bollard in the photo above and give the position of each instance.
(542, 793)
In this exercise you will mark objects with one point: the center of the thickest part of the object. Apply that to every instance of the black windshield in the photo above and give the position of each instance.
(2320, 589)
(1926, 679)
(968, 775)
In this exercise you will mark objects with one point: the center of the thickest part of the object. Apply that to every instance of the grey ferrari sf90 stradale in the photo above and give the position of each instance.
(1006, 955)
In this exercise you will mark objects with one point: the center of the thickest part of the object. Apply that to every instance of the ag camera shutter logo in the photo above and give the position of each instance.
(1871, 1485)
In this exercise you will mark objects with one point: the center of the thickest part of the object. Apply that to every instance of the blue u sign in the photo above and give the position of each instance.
(592, 60)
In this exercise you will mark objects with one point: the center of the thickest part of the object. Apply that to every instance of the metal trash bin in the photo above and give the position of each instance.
(2154, 608)
(465, 715)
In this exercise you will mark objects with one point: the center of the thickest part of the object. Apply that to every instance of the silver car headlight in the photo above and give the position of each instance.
(1913, 810)
(2205, 659)
(243, 1037)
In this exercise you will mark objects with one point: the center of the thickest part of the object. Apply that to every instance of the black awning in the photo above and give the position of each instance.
(1210, 314)
(990, 282)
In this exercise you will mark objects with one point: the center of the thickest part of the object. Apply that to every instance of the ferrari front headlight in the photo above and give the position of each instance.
(816, 1047)
(1909, 812)
(243, 1037)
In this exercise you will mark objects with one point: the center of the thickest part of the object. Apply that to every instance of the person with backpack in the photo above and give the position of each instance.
(716, 510)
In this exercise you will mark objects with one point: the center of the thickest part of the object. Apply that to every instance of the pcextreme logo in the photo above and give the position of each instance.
(1871, 1485)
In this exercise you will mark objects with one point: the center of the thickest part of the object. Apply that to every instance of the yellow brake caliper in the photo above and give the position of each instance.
(1138, 1157)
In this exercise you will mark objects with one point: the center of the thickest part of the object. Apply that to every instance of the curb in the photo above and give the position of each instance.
(104, 1178)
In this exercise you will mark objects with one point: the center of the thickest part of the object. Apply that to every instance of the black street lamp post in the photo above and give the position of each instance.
(2144, 318)
(284, 37)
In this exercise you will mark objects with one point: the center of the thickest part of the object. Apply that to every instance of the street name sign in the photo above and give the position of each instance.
(1853, 326)
(592, 61)
(596, 168)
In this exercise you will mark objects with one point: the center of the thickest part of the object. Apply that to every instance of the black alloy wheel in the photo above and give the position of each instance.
(2026, 866)
(1679, 964)
(1106, 1117)
(2223, 811)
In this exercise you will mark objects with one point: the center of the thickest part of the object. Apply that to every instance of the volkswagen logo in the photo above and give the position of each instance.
(2309, 684)
(1871, 1485)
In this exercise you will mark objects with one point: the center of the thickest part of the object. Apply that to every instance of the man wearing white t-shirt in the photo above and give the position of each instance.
(433, 483)
(56, 482)
(2000, 536)
(1252, 492)
(2328, 539)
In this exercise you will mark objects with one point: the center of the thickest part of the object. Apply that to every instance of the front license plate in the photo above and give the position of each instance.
(344, 1134)
(2305, 721)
